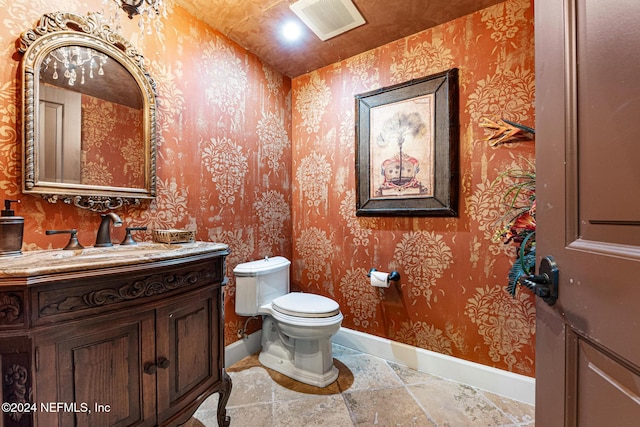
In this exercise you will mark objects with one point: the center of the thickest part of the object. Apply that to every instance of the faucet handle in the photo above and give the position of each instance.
(128, 239)
(73, 239)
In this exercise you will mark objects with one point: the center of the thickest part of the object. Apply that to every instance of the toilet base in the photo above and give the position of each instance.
(285, 367)
(306, 360)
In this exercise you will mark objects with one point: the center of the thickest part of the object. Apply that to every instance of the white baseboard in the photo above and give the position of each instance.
(505, 383)
(240, 349)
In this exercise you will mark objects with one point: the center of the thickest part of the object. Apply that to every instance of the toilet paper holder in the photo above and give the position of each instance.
(394, 276)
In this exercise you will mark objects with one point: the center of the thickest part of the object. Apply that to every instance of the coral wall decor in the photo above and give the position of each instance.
(249, 158)
(451, 298)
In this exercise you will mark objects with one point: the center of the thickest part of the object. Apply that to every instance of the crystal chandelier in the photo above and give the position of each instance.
(74, 61)
(149, 11)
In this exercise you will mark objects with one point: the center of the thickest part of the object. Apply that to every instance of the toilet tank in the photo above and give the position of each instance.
(259, 282)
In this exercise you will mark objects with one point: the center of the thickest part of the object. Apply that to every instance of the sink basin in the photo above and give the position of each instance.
(55, 261)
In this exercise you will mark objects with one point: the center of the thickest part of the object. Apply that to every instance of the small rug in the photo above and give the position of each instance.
(343, 383)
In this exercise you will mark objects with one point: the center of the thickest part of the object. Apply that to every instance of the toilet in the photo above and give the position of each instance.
(297, 327)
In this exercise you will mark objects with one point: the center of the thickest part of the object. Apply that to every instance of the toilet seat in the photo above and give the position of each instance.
(299, 304)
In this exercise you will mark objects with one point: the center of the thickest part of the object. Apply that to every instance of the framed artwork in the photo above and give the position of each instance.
(407, 138)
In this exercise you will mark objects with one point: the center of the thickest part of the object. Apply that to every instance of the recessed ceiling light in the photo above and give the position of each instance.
(291, 30)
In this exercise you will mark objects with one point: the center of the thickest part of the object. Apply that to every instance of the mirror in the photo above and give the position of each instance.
(89, 114)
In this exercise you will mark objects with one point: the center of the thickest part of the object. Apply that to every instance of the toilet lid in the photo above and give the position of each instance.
(301, 304)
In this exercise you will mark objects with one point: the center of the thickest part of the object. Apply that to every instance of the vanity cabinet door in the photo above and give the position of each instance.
(93, 374)
(188, 351)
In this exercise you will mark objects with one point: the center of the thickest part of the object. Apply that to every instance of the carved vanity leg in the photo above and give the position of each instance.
(225, 391)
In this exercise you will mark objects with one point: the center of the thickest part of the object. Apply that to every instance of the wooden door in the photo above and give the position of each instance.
(60, 135)
(588, 183)
(93, 375)
(188, 351)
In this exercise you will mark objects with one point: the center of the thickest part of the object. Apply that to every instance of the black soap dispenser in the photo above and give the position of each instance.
(11, 228)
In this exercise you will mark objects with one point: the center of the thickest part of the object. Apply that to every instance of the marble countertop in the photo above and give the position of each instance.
(33, 263)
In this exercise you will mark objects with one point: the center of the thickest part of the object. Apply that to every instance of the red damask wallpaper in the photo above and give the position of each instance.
(111, 155)
(224, 142)
(451, 297)
(249, 158)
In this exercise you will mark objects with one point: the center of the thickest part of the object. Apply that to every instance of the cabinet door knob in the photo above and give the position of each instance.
(150, 368)
(163, 363)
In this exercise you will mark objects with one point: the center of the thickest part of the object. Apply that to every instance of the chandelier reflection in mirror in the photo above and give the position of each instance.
(74, 61)
(149, 10)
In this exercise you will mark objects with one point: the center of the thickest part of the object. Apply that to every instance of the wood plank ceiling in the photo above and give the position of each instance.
(256, 26)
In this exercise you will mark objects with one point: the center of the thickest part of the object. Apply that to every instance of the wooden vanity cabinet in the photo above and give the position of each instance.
(133, 345)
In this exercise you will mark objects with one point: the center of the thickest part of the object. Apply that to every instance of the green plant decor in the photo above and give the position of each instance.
(518, 225)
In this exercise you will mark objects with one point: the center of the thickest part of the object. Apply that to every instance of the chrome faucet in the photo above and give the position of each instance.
(104, 231)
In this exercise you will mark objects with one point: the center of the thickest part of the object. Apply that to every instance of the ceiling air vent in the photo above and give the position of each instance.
(328, 18)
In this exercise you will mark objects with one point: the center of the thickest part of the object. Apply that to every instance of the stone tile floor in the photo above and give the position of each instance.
(369, 392)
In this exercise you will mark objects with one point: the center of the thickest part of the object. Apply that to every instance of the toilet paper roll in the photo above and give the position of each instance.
(379, 279)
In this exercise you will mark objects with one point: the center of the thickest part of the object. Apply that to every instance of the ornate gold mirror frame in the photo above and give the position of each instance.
(47, 47)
